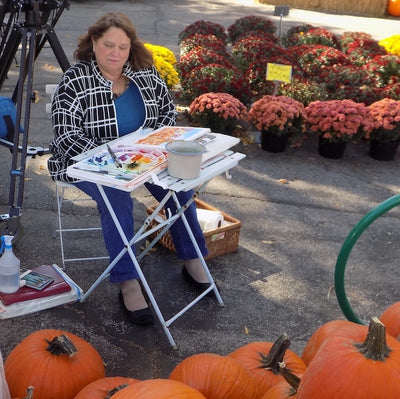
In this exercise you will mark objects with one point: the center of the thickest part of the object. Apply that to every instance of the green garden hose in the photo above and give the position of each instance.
(344, 253)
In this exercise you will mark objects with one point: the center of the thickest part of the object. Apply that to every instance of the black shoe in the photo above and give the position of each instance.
(142, 317)
(193, 282)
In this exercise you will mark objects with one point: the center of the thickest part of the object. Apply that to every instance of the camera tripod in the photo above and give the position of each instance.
(29, 33)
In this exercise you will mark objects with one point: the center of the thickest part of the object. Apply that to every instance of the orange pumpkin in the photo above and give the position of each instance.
(393, 8)
(262, 360)
(350, 368)
(285, 389)
(281, 390)
(327, 331)
(105, 387)
(391, 319)
(29, 393)
(215, 376)
(56, 363)
(158, 389)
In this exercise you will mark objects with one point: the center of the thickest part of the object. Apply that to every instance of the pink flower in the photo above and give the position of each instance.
(337, 120)
(384, 120)
(279, 114)
(218, 111)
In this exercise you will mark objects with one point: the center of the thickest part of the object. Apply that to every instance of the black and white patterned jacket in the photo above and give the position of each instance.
(83, 111)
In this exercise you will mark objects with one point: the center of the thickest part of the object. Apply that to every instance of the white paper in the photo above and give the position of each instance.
(209, 220)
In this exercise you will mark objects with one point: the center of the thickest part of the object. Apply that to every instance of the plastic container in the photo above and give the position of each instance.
(9, 267)
(184, 158)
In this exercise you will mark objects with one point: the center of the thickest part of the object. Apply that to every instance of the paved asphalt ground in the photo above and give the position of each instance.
(296, 209)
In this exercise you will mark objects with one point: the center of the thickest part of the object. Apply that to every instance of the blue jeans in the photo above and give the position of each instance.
(122, 204)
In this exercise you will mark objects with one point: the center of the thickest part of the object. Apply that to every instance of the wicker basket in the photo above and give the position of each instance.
(220, 241)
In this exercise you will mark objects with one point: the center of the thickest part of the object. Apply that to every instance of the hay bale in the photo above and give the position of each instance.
(366, 7)
(371, 8)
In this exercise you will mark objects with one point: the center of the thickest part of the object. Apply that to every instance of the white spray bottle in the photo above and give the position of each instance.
(9, 267)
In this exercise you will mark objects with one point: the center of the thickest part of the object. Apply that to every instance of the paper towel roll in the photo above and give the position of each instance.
(209, 220)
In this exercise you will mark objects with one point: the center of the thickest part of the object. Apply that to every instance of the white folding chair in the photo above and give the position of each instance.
(77, 197)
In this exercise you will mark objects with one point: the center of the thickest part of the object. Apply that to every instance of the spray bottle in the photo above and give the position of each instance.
(9, 267)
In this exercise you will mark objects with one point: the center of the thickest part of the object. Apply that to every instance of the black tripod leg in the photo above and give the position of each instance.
(58, 50)
(18, 171)
(9, 53)
(6, 26)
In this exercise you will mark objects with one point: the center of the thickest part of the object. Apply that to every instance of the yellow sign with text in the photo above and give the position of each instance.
(279, 72)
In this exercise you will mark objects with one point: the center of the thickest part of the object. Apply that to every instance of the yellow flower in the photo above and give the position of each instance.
(164, 61)
(166, 71)
(391, 44)
(163, 52)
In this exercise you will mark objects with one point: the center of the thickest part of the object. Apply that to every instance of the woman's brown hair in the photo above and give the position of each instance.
(140, 57)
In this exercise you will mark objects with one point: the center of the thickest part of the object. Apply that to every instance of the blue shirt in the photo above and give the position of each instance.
(130, 110)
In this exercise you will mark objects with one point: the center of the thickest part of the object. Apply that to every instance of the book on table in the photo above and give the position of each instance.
(133, 159)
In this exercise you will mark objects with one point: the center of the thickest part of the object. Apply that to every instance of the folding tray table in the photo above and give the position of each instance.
(220, 163)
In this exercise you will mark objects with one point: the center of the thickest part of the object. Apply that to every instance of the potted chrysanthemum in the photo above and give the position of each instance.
(214, 78)
(248, 23)
(164, 61)
(221, 112)
(336, 122)
(384, 131)
(277, 118)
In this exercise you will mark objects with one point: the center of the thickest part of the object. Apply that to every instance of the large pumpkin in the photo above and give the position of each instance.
(327, 331)
(158, 389)
(391, 319)
(56, 363)
(215, 376)
(393, 8)
(285, 389)
(347, 368)
(262, 360)
(105, 388)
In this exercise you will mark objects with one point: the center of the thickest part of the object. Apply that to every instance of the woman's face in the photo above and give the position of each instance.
(112, 51)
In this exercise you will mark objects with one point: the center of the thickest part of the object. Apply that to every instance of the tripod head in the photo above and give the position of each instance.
(18, 15)
(27, 5)
(28, 12)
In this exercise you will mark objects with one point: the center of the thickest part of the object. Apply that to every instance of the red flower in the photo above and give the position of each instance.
(313, 36)
(250, 23)
(199, 57)
(210, 42)
(216, 78)
(383, 69)
(253, 48)
(204, 28)
(319, 56)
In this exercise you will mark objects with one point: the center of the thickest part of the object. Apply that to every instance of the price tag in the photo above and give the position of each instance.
(279, 72)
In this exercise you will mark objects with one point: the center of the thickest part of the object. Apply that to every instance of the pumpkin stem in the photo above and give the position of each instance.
(61, 345)
(374, 347)
(275, 355)
(290, 378)
(115, 390)
(29, 393)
